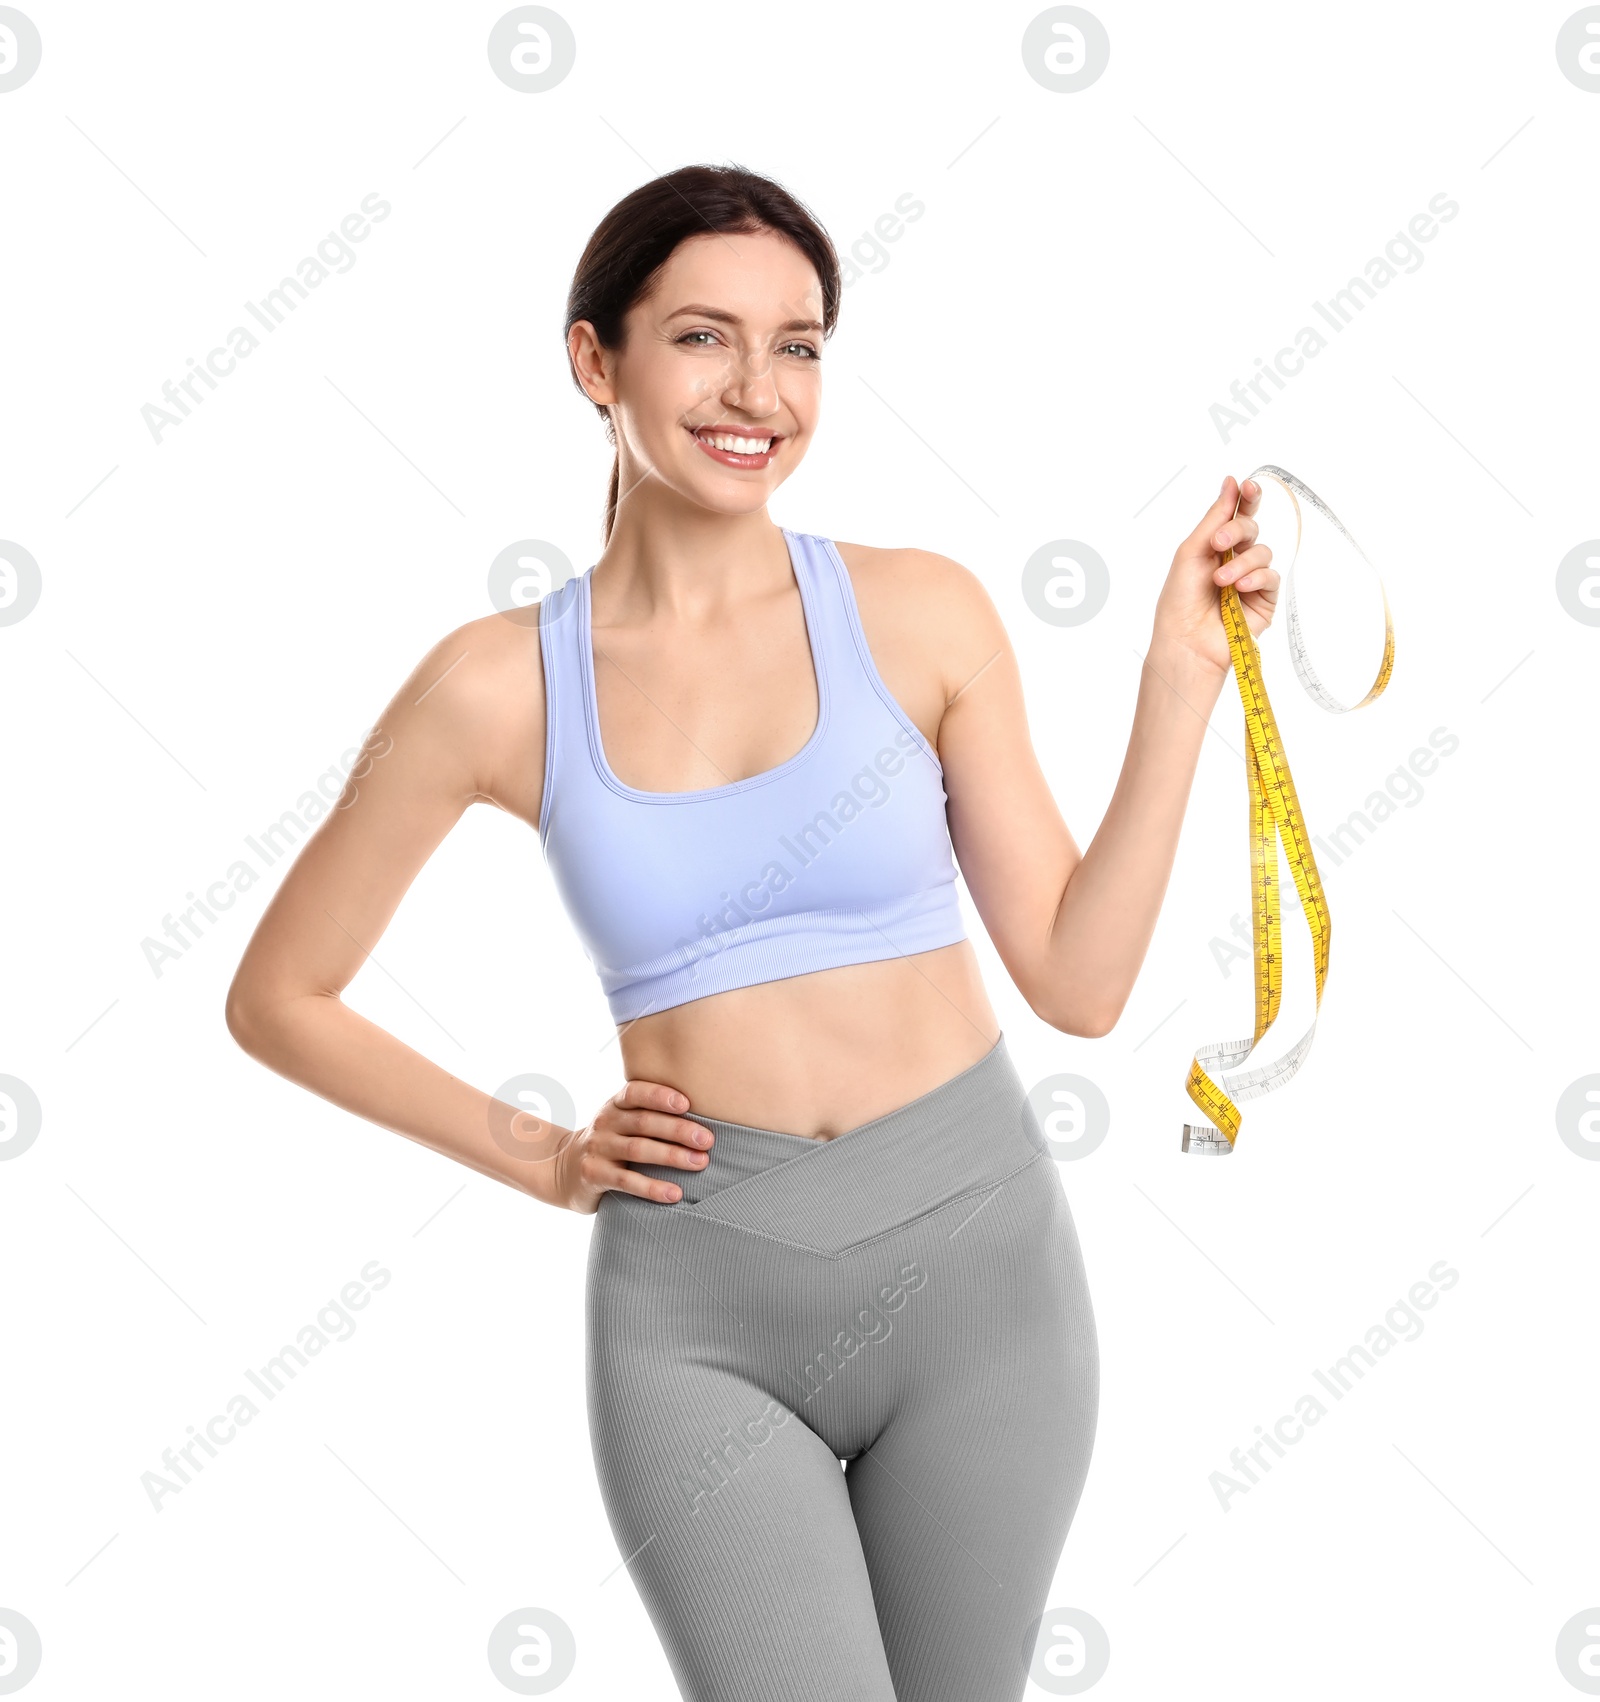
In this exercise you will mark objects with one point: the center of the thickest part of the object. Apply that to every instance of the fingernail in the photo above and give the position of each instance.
(1224, 490)
(679, 1103)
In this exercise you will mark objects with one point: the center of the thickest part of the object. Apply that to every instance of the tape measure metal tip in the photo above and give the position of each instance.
(1199, 1138)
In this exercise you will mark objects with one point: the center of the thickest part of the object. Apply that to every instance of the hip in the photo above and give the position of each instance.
(951, 1202)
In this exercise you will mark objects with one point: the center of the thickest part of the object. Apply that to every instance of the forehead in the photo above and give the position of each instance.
(758, 278)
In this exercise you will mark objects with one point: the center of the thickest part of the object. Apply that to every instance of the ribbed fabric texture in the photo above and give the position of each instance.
(908, 1298)
(839, 855)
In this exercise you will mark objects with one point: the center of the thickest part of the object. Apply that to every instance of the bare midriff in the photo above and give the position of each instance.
(821, 1053)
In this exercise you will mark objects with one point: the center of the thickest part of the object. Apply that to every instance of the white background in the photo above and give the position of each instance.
(226, 612)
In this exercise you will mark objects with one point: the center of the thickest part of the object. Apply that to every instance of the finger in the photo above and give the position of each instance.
(625, 1181)
(650, 1093)
(640, 1149)
(656, 1125)
(1249, 497)
(1222, 509)
(1240, 530)
(1246, 561)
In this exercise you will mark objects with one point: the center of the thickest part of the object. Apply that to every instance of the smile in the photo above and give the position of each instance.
(735, 449)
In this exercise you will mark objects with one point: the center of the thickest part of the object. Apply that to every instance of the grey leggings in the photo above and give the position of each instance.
(908, 1299)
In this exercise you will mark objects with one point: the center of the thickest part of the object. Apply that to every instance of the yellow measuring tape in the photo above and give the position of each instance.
(1274, 810)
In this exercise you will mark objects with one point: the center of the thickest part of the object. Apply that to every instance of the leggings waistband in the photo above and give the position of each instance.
(968, 1133)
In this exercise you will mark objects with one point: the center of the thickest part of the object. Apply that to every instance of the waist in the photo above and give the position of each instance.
(816, 1054)
(970, 1133)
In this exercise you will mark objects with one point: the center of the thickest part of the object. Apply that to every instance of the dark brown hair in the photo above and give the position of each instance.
(631, 244)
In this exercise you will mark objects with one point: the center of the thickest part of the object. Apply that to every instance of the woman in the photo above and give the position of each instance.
(828, 1229)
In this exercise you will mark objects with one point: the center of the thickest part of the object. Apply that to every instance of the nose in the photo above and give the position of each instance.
(748, 384)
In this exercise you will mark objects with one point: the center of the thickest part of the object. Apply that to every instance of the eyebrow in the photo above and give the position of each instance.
(727, 318)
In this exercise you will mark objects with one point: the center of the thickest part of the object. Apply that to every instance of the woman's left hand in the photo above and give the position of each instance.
(1188, 615)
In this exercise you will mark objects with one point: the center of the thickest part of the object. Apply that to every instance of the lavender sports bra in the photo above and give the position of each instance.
(840, 855)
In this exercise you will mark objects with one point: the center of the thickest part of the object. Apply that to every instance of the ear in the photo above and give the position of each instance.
(590, 363)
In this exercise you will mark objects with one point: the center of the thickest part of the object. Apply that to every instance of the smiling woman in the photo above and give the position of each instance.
(754, 756)
(669, 226)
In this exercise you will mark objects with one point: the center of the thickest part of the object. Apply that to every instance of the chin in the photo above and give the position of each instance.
(731, 495)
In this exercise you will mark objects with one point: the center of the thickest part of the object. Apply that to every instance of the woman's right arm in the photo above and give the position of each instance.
(466, 726)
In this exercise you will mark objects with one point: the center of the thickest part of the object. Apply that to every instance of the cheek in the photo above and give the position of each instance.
(661, 397)
(692, 393)
(803, 396)
(699, 388)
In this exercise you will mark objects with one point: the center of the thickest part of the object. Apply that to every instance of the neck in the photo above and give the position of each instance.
(675, 559)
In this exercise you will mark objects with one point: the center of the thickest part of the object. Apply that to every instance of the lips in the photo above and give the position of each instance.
(737, 434)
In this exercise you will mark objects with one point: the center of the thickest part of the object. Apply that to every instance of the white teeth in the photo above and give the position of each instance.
(736, 445)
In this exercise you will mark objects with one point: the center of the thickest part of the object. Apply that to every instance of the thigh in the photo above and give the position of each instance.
(964, 1502)
(738, 1532)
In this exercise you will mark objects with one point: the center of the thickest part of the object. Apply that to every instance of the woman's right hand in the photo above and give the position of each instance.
(638, 1123)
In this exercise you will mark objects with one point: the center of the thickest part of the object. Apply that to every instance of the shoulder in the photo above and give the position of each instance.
(920, 571)
(484, 665)
(944, 604)
(479, 691)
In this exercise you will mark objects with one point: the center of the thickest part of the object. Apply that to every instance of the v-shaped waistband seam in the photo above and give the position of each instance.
(699, 1215)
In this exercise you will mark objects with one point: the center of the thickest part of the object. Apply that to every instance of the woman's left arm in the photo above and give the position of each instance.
(1072, 929)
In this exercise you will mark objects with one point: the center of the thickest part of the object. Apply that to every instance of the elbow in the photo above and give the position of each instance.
(242, 1014)
(1089, 1022)
(1095, 1027)
(236, 1014)
(262, 1020)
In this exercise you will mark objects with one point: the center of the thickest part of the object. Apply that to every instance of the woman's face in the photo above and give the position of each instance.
(723, 356)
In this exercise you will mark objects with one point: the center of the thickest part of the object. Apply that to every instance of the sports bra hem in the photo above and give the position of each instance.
(929, 921)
